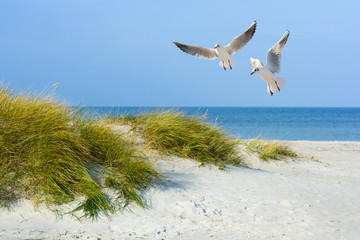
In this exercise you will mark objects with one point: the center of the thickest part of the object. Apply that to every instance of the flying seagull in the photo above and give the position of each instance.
(272, 66)
(221, 52)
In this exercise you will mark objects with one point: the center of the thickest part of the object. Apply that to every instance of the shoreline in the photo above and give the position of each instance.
(303, 199)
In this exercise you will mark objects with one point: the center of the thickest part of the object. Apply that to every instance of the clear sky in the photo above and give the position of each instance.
(120, 53)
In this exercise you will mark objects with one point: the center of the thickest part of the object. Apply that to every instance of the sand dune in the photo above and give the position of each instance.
(301, 199)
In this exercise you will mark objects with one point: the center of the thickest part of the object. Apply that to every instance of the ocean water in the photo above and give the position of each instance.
(315, 124)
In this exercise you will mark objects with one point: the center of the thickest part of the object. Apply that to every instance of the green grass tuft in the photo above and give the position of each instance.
(172, 132)
(121, 167)
(270, 149)
(51, 155)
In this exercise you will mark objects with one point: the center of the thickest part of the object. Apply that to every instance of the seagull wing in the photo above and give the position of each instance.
(255, 63)
(197, 51)
(274, 54)
(240, 41)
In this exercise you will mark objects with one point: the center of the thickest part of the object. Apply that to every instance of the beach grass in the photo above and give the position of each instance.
(51, 155)
(270, 149)
(121, 166)
(172, 132)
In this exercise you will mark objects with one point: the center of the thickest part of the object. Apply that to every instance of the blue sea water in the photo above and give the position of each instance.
(315, 124)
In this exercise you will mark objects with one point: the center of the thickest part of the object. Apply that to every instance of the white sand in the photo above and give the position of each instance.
(301, 199)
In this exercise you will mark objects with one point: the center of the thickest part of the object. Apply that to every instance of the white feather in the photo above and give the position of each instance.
(226, 63)
(272, 66)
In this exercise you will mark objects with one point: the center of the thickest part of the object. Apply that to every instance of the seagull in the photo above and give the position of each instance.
(272, 66)
(221, 52)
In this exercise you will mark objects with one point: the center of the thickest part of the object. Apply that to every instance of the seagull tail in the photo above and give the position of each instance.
(280, 81)
(226, 63)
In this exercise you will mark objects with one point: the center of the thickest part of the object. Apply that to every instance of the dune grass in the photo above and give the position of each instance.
(270, 149)
(122, 167)
(172, 132)
(51, 155)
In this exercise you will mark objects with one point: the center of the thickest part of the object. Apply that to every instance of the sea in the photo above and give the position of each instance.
(281, 123)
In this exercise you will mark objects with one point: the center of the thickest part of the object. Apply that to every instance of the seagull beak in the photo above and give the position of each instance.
(252, 73)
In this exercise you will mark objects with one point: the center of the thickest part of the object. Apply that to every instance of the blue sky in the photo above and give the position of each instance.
(120, 53)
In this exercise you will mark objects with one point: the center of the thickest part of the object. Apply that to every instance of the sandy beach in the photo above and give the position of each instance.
(309, 198)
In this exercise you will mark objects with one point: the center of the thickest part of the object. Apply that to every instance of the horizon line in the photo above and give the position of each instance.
(140, 106)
